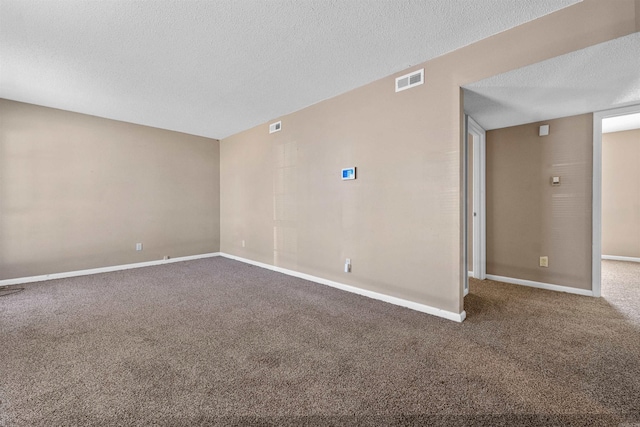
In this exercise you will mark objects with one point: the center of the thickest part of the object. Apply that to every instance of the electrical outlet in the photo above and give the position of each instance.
(544, 261)
(166, 257)
(138, 246)
(347, 265)
(243, 243)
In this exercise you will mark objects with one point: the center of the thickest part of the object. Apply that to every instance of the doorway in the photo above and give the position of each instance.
(621, 251)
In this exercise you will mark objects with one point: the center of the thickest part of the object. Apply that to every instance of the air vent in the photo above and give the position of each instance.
(410, 80)
(275, 127)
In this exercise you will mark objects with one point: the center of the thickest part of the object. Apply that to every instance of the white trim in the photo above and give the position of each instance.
(22, 280)
(620, 258)
(479, 204)
(464, 210)
(466, 288)
(540, 285)
(457, 317)
(596, 208)
(479, 198)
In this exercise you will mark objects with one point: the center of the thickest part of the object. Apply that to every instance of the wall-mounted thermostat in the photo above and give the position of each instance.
(349, 173)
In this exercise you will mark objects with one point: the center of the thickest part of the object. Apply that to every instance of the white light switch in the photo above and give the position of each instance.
(138, 246)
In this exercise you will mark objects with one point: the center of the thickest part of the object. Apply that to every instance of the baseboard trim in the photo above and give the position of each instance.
(22, 280)
(540, 285)
(620, 258)
(456, 317)
(449, 315)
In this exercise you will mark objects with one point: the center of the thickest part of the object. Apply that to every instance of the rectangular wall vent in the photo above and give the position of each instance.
(275, 127)
(410, 80)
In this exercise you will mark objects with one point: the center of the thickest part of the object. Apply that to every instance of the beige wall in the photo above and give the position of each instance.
(621, 193)
(78, 192)
(527, 217)
(400, 221)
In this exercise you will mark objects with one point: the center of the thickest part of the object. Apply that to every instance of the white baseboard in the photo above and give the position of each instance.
(620, 258)
(22, 280)
(457, 317)
(540, 285)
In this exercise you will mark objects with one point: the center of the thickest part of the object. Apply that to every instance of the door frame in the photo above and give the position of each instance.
(596, 209)
(479, 201)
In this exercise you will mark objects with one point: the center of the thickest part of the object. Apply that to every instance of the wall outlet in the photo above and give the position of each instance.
(544, 261)
(166, 257)
(347, 265)
(138, 246)
(243, 243)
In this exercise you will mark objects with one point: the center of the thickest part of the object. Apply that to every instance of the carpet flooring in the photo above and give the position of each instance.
(218, 342)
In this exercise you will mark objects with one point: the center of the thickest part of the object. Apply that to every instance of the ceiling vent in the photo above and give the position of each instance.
(410, 80)
(275, 127)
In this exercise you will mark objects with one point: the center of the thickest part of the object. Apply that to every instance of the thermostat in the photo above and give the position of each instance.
(349, 173)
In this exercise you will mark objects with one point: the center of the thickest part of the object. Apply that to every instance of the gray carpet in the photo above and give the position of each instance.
(218, 342)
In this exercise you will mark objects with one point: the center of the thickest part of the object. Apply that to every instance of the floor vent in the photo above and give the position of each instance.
(275, 127)
(410, 80)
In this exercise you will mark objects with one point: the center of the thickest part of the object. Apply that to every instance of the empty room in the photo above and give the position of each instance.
(363, 212)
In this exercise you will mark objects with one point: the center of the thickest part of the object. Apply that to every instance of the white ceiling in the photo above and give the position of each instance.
(597, 78)
(214, 68)
(621, 123)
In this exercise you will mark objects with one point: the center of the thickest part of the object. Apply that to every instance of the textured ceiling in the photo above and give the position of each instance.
(597, 78)
(215, 68)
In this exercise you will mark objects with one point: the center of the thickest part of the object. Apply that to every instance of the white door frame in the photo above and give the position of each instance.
(479, 200)
(596, 209)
